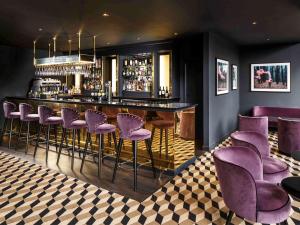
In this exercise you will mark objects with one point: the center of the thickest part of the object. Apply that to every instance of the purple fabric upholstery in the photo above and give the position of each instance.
(94, 119)
(71, 119)
(277, 209)
(275, 112)
(26, 113)
(274, 170)
(288, 135)
(96, 122)
(257, 124)
(46, 116)
(130, 127)
(239, 172)
(105, 128)
(9, 109)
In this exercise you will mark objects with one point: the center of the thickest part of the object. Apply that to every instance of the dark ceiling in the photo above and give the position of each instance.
(133, 21)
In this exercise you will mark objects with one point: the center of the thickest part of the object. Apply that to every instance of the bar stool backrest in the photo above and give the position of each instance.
(8, 107)
(94, 119)
(128, 123)
(69, 115)
(167, 116)
(44, 113)
(25, 109)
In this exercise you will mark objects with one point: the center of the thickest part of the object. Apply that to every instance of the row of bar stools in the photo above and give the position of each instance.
(10, 113)
(26, 116)
(131, 129)
(47, 118)
(71, 121)
(96, 124)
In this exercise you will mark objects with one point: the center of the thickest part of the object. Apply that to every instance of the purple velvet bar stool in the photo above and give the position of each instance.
(47, 118)
(257, 124)
(96, 124)
(72, 122)
(131, 129)
(274, 169)
(26, 116)
(288, 135)
(245, 193)
(10, 113)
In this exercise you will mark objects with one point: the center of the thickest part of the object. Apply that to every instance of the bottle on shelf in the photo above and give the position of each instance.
(167, 93)
(163, 93)
(159, 92)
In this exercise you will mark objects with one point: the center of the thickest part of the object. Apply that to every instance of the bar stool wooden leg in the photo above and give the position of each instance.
(152, 135)
(148, 146)
(117, 158)
(47, 142)
(167, 143)
(37, 139)
(19, 135)
(66, 139)
(115, 140)
(88, 136)
(10, 132)
(27, 137)
(78, 142)
(63, 135)
(100, 155)
(160, 141)
(55, 136)
(73, 147)
(134, 153)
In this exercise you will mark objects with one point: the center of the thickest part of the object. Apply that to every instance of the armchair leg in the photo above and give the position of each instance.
(229, 217)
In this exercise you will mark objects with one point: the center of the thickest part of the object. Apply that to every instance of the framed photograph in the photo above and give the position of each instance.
(222, 77)
(270, 77)
(234, 77)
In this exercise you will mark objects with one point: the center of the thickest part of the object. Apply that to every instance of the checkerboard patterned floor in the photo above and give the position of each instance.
(30, 194)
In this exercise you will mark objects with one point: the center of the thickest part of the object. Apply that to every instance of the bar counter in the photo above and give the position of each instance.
(173, 147)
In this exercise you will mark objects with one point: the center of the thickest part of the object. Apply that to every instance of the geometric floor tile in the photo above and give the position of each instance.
(30, 194)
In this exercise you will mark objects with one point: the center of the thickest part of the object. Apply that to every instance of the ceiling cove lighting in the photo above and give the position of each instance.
(69, 64)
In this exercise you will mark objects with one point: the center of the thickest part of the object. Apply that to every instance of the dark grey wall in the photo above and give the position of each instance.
(16, 71)
(223, 109)
(269, 54)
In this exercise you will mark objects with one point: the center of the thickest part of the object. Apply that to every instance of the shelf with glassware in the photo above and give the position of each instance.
(137, 73)
(92, 83)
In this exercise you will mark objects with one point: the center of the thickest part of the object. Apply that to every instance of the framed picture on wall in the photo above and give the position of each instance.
(234, 77)
(270, 77)
(222, 77)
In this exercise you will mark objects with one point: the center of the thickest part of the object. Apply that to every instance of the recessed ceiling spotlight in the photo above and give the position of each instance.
(268, 39)
(254, 23)
(40, 29)
(175, 34)
(105, 14)
(138, 38)
(107, 43)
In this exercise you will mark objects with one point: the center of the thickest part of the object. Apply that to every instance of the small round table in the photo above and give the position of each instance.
(292, 184)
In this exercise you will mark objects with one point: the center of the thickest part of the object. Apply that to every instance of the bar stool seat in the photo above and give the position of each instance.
(140, 134)
(54, 120)
(77, 124)
(105, 128)
(31, 117)
(14, 115)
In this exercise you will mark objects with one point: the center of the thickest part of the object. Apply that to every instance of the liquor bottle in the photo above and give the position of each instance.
(159, 92)
(167, 93)
(163, 92)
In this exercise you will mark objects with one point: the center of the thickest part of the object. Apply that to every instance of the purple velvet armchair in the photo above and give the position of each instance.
(288, 135)
(274, 170)
(240, 174)
(257, 124)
